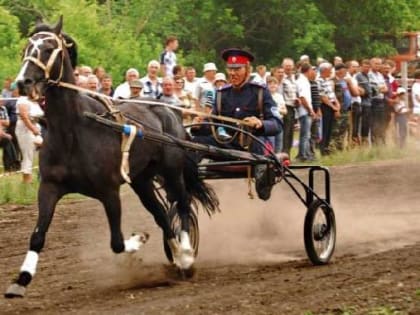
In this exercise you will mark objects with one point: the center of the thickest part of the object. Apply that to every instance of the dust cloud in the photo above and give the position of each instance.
(251, 230)
(376, 207)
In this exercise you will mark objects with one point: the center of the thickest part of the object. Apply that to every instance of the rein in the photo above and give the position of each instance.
(183, 110)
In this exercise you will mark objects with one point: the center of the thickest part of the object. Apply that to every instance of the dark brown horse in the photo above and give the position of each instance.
(81, 156)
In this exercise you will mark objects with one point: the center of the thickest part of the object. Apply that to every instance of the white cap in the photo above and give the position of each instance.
(304, 57)
(401, 90)
(220, 77)
(210, 66)
(153, 63)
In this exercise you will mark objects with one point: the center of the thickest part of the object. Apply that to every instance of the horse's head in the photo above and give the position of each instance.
(46, 60)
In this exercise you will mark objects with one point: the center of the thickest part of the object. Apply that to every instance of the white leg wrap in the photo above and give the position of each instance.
(185, 241)
(183, 257)
(30, 262)
(134, 243)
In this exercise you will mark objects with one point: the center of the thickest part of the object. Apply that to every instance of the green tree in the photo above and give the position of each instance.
(279, 28)
(360, 24)
(10, 44)
(121, 34)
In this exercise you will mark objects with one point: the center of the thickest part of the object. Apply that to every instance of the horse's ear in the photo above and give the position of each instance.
(58, 27)
(38, 20)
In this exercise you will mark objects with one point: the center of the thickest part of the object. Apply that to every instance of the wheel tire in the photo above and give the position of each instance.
(175, 222)
(319, 237)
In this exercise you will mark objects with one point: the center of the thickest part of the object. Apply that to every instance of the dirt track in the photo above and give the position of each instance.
(251, 258)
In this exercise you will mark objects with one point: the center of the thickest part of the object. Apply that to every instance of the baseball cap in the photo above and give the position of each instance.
(135, 84)
(340, 66)
(401, 90)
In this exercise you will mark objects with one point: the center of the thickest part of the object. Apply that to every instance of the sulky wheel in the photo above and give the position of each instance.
(319, 232)
(175, 222)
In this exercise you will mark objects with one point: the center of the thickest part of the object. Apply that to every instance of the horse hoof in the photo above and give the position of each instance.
(187, 273)
(15, 291)
(136, 241)
(144, 237)
(185, 260)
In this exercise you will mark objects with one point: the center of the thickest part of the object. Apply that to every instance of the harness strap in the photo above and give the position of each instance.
(219, 102)
(125, 149)
(260, 103)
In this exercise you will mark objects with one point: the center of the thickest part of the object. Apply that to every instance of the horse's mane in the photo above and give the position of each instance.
(70, 43)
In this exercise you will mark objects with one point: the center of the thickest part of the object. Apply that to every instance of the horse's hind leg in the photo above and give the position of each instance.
(146, 192)
(145, 189)
(175, 186)
(48, 196)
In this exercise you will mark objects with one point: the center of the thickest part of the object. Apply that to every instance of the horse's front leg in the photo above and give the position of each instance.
(48, 196)
(112, 204)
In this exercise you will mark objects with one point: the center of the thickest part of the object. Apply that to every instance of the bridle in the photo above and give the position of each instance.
(47, 66)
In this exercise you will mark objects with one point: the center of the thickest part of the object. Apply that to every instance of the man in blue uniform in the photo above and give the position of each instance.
(250, 102)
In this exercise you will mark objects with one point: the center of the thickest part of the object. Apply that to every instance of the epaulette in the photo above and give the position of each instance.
(257, 84)
(225, 87)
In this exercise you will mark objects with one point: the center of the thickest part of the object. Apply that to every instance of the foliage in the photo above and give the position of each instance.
(10, 44)
(122, 34)
(356, 27)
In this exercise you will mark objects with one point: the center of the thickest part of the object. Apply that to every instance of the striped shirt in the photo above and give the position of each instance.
(326, 88)
(289, 90)
(316, 100)
(3, 116)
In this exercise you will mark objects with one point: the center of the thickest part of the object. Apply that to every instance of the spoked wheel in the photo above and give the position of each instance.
(319, 232)
(176, 226)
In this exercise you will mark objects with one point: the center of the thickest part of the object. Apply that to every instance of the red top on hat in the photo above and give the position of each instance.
(235, 57)
(237, 60)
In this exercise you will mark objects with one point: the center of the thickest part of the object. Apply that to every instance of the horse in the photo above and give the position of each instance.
(81, 156)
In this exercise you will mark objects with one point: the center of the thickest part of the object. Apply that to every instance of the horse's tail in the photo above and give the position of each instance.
(198, 189)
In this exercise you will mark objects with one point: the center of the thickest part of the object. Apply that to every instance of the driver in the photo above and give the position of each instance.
(247, 101)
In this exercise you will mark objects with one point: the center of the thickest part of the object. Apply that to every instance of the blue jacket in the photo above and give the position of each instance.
(243, 102)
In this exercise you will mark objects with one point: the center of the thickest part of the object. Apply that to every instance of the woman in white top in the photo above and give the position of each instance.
(272, 85)
(28, 133)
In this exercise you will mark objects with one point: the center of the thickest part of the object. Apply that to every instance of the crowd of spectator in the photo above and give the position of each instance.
(333, 106)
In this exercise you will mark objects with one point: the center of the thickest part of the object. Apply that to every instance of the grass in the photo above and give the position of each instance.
(13, 191)
(381, 310)
(363, 155)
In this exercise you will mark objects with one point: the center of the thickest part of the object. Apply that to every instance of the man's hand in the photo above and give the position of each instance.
(197, 120)
(254, 122)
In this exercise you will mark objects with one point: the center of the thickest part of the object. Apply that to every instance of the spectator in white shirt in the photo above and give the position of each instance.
(152, 84)
(305, 112)
(123, 90)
